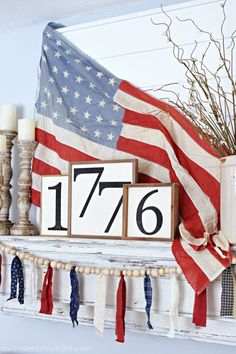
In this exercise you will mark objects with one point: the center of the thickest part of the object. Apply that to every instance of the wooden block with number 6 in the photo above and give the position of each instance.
(150, 211)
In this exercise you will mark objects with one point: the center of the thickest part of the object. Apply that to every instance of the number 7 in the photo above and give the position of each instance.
(104, 185)
(80, 171)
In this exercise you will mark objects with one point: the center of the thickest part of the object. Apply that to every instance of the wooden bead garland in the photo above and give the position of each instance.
(155, 272)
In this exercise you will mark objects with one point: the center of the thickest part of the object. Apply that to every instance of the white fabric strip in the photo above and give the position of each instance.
(100, 303)
(178, 134)
(174, 306)
(201, 201)
(205, 260)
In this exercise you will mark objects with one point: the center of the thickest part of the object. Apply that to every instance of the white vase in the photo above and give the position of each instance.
(228, 198)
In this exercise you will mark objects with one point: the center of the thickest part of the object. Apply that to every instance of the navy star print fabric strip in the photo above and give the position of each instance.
(148, 297)
(17, 276)
(74, 296)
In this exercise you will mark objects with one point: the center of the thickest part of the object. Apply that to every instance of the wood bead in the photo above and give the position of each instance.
(40, 261)
(167, 270)
(92, 270)
(77, 269)
(2, 248)
(136, 273)
(173, 270)
(59, 265)
(97, 271)
(13, 251)
(53, 264)
(31, 258)
(87, 270)
(81, 269)
(106, 271)
(21, 255)
(129, 273)
(142, 272)
(124, 272)
(161, 271)
(68, 266)
(26, 256)
(111, 272)
(116, 272)
(36, 260)
(46, 262)
(148, 272)
(234, 260)
(8, 249)
(154, 273)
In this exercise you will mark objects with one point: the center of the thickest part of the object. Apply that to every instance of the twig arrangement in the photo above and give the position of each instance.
(211, 92)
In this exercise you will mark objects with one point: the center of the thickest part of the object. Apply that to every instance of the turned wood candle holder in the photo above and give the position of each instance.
(7, 176)
(4, 230)
(23, 227)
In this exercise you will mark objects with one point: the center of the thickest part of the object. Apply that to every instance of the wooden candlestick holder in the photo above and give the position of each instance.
(23, 227)
(7, 175)
(4, 230)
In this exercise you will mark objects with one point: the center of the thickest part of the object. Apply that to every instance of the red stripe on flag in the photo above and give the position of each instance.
(176, 115)
(35, 197)
(142, 178)
(42, 168)
(64, 151)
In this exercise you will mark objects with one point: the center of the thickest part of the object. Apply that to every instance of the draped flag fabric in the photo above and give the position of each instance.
(86, 113)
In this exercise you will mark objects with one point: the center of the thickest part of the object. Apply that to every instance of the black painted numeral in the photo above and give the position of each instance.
(141, 210)
(58, 226)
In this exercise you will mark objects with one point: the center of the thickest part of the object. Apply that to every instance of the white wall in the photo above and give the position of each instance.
(19, 56)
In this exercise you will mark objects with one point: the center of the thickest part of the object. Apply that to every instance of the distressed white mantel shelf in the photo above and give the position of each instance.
(114, 254)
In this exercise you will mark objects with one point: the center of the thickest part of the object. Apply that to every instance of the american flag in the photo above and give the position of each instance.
(86, 113)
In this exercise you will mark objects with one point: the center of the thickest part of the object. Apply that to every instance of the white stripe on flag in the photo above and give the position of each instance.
(207, 212)
(36, 182)
(51, 158)
(182, 139)
(205, 260)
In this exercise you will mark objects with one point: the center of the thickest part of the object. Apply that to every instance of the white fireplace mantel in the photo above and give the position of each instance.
(112, 254)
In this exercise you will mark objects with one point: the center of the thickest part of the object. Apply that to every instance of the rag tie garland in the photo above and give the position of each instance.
(17, 276)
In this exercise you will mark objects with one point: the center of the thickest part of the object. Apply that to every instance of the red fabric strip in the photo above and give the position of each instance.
(120, 310)
(200, 309)
(46, 296)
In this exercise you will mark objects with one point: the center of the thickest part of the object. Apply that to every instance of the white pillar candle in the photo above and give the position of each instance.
(8, 117)
(3, 143)
(26, 129)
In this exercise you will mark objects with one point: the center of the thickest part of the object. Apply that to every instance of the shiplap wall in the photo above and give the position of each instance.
(135, 49)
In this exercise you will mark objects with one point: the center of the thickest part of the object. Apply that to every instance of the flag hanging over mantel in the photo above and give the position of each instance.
(86, 113)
